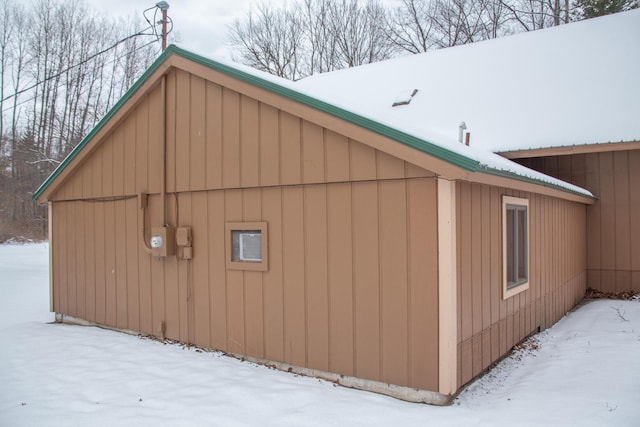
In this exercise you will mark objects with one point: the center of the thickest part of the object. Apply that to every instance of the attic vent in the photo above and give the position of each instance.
(404, 98)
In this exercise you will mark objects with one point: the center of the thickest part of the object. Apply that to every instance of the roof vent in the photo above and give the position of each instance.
(461, 128)
(404, 98)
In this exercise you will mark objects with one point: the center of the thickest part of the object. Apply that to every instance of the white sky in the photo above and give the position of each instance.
(201, 24)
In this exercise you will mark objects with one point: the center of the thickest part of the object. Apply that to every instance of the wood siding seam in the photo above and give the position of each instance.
(407, 232)
(380, 286)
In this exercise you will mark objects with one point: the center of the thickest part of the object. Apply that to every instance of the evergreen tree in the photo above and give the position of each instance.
(592, 8)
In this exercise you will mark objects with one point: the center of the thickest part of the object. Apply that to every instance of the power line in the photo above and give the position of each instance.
(89, 58)
(11, 107)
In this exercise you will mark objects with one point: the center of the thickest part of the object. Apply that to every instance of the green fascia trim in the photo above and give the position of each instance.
(133, 89)
(506, 174)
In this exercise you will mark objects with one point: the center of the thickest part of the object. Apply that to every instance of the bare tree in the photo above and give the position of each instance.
(270, 40)
(410, 26)
(359, 32)
(311, 36)
(533, 15)
(321, 54)
(62, 67)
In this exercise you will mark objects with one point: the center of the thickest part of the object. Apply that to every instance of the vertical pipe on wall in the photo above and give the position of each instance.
(163, 137)
(142, 197)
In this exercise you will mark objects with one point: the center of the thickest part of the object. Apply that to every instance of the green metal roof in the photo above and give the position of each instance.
(422, 145)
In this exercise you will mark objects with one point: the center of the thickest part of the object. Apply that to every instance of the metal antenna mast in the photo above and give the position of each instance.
(163, 6)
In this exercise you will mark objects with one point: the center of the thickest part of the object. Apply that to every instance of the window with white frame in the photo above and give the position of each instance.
(247, 244)
(515, 245)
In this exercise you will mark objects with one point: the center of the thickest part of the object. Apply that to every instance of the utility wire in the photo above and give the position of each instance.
(11, 107)
(53, 76)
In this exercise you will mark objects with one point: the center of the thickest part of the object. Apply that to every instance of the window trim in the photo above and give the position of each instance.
(509, 290)
(247, 265)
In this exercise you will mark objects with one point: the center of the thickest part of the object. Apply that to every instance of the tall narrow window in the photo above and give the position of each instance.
(515, 245)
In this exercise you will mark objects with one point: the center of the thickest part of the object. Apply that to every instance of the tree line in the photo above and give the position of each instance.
(306, 37)
(62, 67)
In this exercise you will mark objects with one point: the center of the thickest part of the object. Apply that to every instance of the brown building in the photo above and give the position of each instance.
(219, 206)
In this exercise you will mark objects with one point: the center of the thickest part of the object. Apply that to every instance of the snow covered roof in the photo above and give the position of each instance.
(574, 84)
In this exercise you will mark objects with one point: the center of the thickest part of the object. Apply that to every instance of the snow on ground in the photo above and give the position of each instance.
(585, 371)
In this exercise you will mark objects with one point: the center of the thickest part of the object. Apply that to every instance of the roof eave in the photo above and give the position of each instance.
(564, 150)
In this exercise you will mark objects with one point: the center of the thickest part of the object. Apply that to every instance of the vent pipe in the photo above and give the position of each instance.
(461, 128)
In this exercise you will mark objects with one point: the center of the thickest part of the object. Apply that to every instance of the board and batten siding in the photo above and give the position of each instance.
(613, 222)
(351, 286)
(488, 326)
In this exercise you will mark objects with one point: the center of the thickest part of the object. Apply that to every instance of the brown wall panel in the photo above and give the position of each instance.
(145, 294)
(172, 117)
(293, 276)
(185, 284)
(199, 274)
(213, 142)
(230, 139)
(155, 146)
(269, 145)
(363, 162)
(359, 261)
(61, 296)
(110, 247)
(72, 253)
(197, 134)
(158, 313)
(490, 326)
(100, 263)
(352, 280)
(337, 151)
(234, 280)
(273, 296)
(253, 289)
(249, 142)
(393, 281)
(217, 274)
(118, 159)
(89, 235)
(313, 149)
(340, 206)
(389, 167)
(120, 265)
(132, 270)
(316, 276)
(346, 291)
(613, 250)
(423, 294)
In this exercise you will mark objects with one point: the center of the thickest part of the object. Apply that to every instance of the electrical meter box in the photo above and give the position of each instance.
(163, 241)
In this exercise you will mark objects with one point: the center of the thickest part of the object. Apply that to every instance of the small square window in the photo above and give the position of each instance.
(247, 245)
(515, 245)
